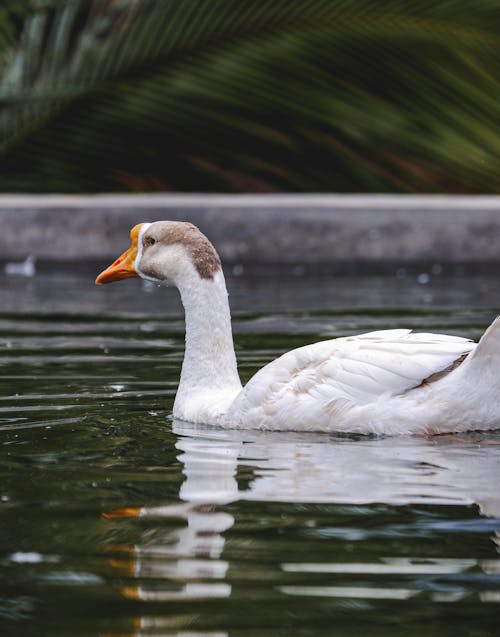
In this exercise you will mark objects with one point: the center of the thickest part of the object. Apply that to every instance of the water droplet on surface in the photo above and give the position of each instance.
(147, 286)
(26, 558)
(423, 278)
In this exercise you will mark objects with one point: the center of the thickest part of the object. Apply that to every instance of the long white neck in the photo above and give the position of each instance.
(209, 378)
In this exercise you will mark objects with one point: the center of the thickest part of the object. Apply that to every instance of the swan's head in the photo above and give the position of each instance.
(166, 252)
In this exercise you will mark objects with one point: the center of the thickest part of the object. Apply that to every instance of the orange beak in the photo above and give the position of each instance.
(124, 266)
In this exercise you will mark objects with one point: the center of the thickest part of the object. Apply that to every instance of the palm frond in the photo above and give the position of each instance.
(265, 95)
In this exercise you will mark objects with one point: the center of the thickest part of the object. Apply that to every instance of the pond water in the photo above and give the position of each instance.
(115, 520)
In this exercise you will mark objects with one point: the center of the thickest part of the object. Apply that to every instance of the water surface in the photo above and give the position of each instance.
(116, 520)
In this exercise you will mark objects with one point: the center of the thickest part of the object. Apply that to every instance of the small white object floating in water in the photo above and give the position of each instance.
(384, 382)
(21, 268)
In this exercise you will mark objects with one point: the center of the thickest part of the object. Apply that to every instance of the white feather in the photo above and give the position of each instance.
(319, 383)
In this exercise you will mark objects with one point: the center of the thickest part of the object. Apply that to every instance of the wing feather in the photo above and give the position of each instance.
(351, 370)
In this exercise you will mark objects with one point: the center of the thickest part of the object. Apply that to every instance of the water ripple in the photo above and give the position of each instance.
(117, 520)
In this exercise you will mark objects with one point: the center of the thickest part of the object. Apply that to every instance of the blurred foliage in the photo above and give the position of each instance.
(260, 95)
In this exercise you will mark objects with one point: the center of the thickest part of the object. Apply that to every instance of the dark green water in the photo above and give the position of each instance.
(114, 520)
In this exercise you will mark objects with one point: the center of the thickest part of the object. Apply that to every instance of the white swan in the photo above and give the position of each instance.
(390, 382)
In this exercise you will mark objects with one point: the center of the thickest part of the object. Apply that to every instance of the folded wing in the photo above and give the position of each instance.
(353, 370)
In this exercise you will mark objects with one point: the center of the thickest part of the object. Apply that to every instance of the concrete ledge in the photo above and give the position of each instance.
(260, 228)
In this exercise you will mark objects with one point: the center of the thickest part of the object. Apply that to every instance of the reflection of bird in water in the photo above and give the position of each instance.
(188, 562)
(176, 564)
(390, 381)
(300, 467)
(184, 562)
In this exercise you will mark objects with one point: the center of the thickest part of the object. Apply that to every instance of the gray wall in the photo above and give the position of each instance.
(260, 228)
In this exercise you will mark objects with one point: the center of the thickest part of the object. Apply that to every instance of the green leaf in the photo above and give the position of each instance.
(267, 95)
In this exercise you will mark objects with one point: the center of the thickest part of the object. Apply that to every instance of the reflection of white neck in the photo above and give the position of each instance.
(210, 468)
(209, 378)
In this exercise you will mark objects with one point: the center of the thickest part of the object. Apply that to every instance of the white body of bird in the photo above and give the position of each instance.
(384, 382)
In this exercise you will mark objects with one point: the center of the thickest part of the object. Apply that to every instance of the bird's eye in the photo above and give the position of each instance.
(150, 241)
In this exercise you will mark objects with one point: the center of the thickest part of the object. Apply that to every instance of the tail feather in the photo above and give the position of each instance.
(489, 345)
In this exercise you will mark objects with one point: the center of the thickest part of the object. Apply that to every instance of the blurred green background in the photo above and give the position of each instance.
(250, 96)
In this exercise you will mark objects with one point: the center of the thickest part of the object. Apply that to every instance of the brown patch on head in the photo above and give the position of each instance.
(202, 253)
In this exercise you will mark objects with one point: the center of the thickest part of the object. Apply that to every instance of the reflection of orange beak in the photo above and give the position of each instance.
(125, 512)
(124, 266)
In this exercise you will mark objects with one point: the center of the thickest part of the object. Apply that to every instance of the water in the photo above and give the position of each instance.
(117, 521)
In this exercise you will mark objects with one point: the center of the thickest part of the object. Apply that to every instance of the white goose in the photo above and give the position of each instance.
(388, 382)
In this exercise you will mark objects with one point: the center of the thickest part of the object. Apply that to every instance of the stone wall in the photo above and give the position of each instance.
(260, 228)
